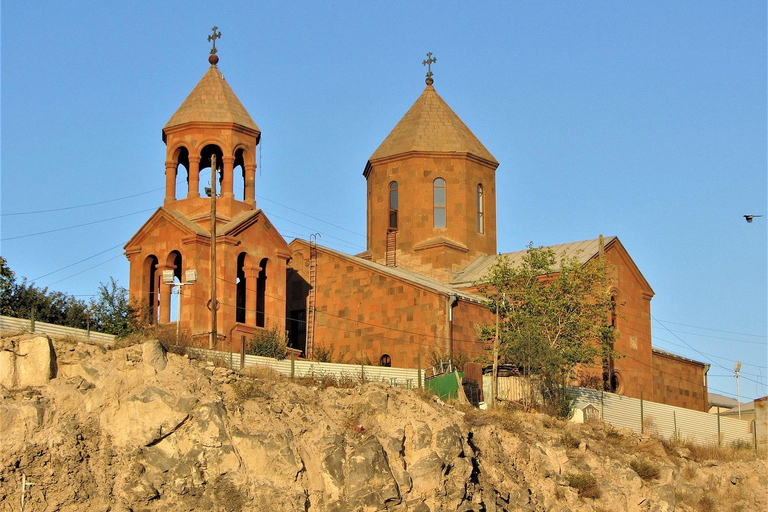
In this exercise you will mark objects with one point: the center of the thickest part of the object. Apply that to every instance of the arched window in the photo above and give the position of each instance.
(261, 293)
(151, 283)
(241, 289)
(438, 187)
(385, 360)
(393, 206)
(480, 220)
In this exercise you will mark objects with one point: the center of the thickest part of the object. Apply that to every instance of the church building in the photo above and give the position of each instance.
(409, 298)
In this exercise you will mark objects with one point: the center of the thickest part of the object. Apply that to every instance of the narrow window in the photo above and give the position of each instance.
(393, 206)
(480, 226)
(385, 360)
(439, 203)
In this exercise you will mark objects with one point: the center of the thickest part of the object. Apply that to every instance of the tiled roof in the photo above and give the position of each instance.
(431, 126)
(212, 101)
(478, 269)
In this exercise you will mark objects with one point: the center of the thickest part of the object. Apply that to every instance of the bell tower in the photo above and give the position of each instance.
(211, 121)
(238, 256)
(431, 191)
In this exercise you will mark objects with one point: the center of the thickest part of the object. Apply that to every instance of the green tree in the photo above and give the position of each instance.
(552, 318)
(7, 285)
(112, 311)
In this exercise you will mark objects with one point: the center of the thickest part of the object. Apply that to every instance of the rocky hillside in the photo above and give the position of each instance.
(138, 429)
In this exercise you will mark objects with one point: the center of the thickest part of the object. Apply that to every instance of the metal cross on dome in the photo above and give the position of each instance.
(428, 62)
(212, 38)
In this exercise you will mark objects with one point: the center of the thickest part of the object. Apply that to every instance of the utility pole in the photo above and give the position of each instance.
(496, 359)
(737, 371)
(214, 303)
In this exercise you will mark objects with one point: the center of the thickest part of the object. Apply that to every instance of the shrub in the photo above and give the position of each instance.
(569, 440)
(268, 343)
(644, 469)
(585, 483)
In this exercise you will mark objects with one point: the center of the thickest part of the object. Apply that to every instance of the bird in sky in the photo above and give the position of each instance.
(750, 217)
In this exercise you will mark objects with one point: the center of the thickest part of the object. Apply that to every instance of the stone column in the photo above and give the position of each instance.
(170, 182)
(194, 176)
(249, 194)
(226, 182)
(251, 276)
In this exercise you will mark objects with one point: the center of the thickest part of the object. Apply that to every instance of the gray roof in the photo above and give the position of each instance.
(476, 271)
(716, 400)
(403, 274)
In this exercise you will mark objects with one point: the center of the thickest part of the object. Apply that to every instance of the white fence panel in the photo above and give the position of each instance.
(698, 426)
(394, 376)
(8, 323)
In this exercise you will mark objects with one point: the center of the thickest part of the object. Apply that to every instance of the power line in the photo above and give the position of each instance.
(699, 352)
(81, 205)
(86, 270)
(77, 262)
(716, 330)
(311, 217)
(78, 225)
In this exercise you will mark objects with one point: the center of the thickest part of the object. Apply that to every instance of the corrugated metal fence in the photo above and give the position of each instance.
(10, 324)
(665, 420)
(404, 377)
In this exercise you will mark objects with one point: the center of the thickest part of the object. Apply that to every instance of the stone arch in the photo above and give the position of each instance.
(261, 293)
(174, 262)
(242, 288)
(149, 288)
(206, 152)
(180, 162)
(238, 174)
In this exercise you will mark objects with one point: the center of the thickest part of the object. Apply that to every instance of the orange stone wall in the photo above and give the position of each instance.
(361, 308)
(679, 382)
(467, 318)
(415, 175)
(161, 235)
(633, 323)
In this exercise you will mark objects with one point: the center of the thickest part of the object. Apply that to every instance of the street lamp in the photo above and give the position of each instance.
(190, 277)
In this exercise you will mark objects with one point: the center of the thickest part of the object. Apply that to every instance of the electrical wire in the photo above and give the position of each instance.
(77, 226)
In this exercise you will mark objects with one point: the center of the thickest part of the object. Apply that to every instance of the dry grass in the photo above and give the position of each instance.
(644, 469)
(585, 483)
(505, 418)
(248, 389)
(569, 440)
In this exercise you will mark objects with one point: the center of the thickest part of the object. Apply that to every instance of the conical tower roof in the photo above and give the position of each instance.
(431, 126)
(211, 101)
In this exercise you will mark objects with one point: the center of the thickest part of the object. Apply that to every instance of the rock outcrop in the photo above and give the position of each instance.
(138, 429)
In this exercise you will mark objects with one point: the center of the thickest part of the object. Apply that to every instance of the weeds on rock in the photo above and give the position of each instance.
(585, 483)
(569, 440)
(644, 469)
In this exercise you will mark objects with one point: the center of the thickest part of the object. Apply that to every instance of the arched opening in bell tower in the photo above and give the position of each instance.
(205, 169)
(182, 169)
(238, 175)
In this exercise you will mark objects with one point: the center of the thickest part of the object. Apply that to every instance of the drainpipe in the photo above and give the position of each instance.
(452, 301)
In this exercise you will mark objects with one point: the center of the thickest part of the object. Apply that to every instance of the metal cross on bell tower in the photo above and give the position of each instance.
(428, 62)
(213, 58)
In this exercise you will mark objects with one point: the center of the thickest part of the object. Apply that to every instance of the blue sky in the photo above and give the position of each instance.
(645, 120)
